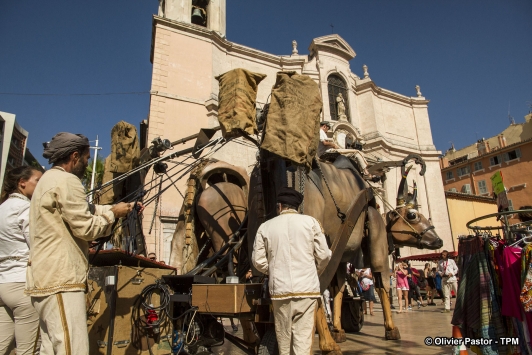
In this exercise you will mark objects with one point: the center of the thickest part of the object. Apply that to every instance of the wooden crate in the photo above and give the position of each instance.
(226, 298)
(129, 284)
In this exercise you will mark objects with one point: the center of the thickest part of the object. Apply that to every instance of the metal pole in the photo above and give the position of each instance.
(96, 148)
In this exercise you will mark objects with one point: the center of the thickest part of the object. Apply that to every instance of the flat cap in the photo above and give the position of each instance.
(289, 196)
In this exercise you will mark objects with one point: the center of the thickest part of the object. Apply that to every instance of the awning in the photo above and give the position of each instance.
(429, 257)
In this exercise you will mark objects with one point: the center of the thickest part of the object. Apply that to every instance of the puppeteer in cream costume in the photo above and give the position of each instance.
(291, 249)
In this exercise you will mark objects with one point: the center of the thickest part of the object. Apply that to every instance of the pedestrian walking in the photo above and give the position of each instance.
(368, 289)
(414, 291)
(61, 225)
(448, 270)
(431, 285)
(291, 249)
(18, 319)
(401, 277)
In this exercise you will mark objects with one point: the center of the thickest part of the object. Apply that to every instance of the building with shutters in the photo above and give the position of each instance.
(13, 141)
(468, 170)
(190, 48)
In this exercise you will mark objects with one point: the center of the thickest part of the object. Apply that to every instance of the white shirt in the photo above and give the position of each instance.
(365, 277)
(14, 238)
(291, 248)
(447, 268)
(321, 147)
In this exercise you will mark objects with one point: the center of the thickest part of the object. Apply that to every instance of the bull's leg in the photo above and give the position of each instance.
(327, 344)
(378, 251)
(391, 331)
(338, 333)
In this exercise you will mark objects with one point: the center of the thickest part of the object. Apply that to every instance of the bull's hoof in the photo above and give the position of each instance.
(338, 335)
(392, 334)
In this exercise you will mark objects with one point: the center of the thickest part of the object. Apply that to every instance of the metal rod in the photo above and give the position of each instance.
(194, 136)
(96, 148)
(153, 162)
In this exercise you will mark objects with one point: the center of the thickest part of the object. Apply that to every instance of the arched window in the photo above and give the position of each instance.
(336, 85)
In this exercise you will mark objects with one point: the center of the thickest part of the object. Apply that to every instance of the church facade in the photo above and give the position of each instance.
(189, 49)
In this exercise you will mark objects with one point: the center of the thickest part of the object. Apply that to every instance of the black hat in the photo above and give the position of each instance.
(328, 124)
(289, 196)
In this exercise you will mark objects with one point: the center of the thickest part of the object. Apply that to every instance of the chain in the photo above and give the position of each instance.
(339, 213)
(156, 205)
(208, 242)
(302, 181)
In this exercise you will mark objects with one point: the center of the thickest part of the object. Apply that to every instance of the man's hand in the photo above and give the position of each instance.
(121, 209)
(140, 207)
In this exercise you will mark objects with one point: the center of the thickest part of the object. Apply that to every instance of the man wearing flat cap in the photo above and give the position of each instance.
(291, 249)
(61, 225)
(325, 142)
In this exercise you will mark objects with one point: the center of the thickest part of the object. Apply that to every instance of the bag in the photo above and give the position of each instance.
(293, 121)
(236, 107)
(411, 284)
(364, 287)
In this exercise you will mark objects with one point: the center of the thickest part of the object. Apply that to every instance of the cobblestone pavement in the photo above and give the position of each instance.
(415, 326)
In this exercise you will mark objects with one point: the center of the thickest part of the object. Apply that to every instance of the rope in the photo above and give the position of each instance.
(392, 209)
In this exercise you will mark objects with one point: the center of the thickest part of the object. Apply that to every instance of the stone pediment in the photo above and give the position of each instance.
(332, 44)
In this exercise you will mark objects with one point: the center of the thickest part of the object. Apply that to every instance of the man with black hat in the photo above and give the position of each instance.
(61, 225)
(291, 249)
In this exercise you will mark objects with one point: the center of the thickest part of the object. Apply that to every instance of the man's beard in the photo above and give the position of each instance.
(79, 169)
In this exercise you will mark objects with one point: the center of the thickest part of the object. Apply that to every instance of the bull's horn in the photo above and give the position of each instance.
(414, 196)
(402, 187)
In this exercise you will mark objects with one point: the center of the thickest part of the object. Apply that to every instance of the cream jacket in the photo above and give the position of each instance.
(60, 227)
(291, 248)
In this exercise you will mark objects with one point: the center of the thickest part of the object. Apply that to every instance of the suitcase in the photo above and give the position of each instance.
(112, 298)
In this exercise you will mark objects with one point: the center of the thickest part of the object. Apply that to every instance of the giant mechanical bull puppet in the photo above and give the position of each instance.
(337, 196)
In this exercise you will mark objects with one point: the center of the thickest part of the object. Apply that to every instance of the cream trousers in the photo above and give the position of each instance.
(18, 320)
(63, 323)
(294, 325)
(447, 286)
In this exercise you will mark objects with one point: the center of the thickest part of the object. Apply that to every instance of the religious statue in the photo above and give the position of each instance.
(418, 91)
(340, 103)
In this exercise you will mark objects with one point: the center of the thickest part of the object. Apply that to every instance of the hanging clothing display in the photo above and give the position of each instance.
(494, 297)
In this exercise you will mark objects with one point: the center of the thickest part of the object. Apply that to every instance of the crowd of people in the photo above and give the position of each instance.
(407, 284)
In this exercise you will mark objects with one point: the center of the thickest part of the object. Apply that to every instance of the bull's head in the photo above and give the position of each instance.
(406, 225)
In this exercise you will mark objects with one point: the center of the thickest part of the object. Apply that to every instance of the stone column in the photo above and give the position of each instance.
(216, 16)
(178, 10)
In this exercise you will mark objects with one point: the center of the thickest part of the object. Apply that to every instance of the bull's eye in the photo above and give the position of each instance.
(411, 215)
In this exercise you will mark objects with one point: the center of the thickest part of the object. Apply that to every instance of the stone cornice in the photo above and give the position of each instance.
(364, 85)
(375, 138)
(469, 197)
(228, 46)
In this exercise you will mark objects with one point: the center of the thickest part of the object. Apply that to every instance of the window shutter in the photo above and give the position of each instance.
(518, 152)
(506, 157)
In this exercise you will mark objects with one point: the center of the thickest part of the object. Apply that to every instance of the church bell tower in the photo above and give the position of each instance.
(206, 13)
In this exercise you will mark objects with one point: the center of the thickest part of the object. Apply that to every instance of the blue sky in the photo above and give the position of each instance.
(471, 58)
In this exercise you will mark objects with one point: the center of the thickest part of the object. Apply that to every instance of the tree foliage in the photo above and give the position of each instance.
(98, 177)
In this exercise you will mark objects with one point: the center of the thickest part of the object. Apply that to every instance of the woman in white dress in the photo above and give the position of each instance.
(18, 319)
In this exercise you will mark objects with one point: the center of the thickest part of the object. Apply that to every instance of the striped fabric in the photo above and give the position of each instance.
(477, 309)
